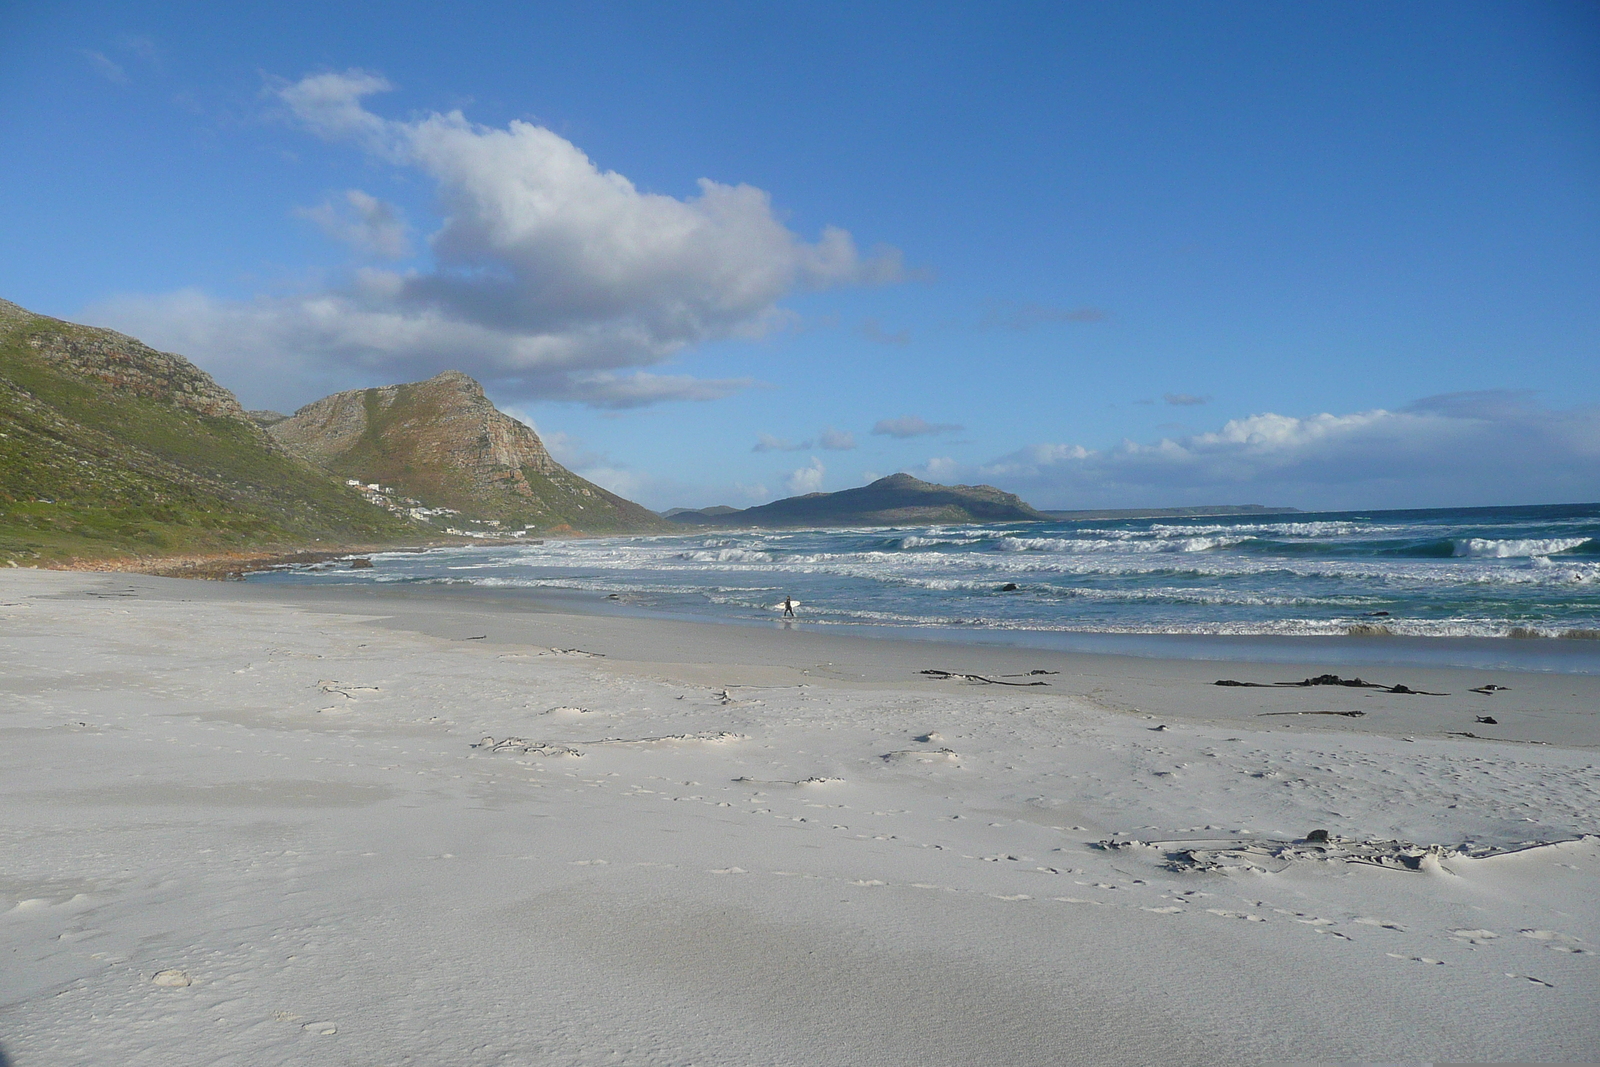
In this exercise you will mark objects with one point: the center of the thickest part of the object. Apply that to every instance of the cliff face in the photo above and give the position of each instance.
(121, 363)
(442, 442)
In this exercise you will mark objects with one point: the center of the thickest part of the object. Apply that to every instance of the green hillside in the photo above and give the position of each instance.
(109, 448)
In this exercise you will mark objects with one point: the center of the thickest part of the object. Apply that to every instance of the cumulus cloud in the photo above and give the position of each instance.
(1496, 447)
(939, 469)
(836, 440)
(547, 275)
(365, 223)
(806, 479)
(1185, 400)
(912, 426)
(769, 443)
(830, 439)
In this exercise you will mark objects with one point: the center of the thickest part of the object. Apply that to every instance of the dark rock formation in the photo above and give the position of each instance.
(121, 363)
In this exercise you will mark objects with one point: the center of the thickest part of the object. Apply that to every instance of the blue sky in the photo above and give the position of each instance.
(1101, 255)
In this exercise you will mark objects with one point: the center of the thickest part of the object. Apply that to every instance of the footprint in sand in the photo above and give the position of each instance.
(1556, 942)
(942, 755)
(1415, 959)
(171, 979)
(1475, 937)
(1367, 920)
(1531, 978)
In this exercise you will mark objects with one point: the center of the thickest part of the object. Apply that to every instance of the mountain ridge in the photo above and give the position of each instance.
(896, 500)
(111, 448)
(442, 441)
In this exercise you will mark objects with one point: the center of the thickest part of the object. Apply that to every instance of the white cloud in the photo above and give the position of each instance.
(940, 469)
(768, 443)
(1458, 449)
(638, 389)
(831, 439)
(912, 426)
(548, 274)
(363, 222)
(836, 440)
(806, 479)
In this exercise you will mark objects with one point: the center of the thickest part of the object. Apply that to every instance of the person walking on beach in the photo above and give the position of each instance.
(788, 606)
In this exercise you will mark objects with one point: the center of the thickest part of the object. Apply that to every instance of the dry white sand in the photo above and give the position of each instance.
(246, 825)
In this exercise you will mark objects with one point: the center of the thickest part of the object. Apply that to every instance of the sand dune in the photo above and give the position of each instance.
(248, 825)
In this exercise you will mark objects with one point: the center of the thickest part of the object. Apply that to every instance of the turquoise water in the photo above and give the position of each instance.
(1481, 572)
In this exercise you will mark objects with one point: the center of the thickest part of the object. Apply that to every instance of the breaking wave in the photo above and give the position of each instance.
(1482, 573)
(1510, 549)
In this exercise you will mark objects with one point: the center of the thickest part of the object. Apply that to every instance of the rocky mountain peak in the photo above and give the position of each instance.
(443, 441)
(122, 363)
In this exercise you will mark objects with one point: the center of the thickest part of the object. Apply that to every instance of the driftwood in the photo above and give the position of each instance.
(1330, 679)
(1490, 688)
(953, 675)
(1480, 737)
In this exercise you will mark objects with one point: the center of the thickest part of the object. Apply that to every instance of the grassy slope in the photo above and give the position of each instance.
(86, 471)
(381, 455)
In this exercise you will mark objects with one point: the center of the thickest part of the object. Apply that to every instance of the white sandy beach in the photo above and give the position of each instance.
(258, 825)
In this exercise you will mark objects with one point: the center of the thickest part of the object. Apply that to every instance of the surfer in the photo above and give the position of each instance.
(788, 606)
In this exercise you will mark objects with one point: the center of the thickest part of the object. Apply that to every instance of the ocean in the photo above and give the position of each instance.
(1530, 572)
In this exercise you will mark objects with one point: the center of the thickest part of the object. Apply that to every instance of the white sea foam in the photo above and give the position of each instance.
(1161, 578)
(1506, 549)
(1080, 545)
(728, 555)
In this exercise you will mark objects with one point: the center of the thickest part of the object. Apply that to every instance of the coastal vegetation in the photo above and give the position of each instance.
(111, 449)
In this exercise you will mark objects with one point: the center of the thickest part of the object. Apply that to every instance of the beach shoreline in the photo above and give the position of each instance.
(380, 823)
